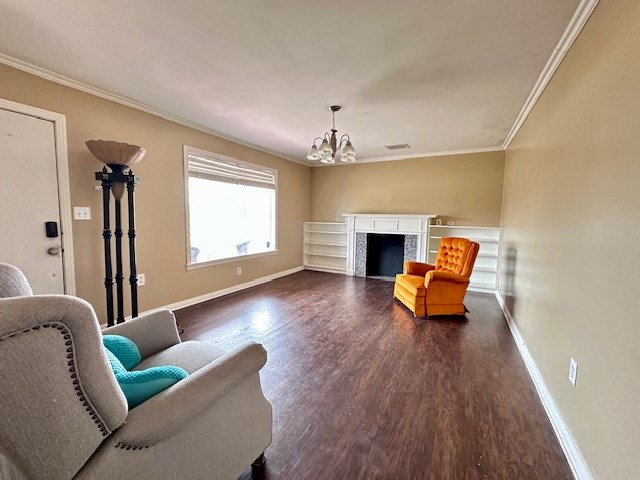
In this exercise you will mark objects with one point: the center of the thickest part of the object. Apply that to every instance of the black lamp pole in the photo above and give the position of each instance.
(106, 235)
(133, 277)
(108, 180)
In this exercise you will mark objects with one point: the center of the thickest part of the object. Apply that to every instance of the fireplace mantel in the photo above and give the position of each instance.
(399, 224)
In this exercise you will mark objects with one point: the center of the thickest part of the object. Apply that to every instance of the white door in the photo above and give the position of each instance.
(28, 199)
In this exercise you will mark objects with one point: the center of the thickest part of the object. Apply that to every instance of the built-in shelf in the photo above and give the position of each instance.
(485, 270)
(332, 232)
(318, 254)
(332, 244)
(325, 246)
(472, 238)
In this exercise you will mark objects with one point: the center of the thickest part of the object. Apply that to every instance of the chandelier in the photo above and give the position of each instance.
(329, 146)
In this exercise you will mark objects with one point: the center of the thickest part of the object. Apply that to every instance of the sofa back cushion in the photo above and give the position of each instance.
(456, 255)
(13, 283)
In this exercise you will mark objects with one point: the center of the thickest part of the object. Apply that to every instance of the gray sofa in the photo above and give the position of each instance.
(63, 416)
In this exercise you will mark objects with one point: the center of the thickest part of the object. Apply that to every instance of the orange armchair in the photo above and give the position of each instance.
(438, 289)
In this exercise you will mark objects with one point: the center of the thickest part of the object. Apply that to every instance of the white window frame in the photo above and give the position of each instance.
(187, 150)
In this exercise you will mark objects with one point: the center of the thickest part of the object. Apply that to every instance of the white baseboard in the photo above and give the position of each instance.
(225, 291)
(567, 442)
(471, 288)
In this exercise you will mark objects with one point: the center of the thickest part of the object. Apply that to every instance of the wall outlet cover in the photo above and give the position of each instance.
(239, 270)
(451, 223)
(82, 213)
(141, 279)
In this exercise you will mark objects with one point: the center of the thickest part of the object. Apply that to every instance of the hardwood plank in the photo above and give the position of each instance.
(363, 390)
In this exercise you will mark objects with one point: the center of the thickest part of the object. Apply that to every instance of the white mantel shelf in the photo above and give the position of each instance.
(393, 223)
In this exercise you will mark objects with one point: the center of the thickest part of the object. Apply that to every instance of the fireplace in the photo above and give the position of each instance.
(385, 254)
(405, 232)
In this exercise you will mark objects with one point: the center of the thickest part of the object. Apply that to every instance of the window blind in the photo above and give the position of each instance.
(230, 171)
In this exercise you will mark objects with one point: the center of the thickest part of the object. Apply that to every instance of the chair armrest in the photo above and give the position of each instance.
(418, 268)
(162, 415)
(439, 276)
(152, 332)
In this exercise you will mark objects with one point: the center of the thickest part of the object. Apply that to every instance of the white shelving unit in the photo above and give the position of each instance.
(485, 270)
(325, 246)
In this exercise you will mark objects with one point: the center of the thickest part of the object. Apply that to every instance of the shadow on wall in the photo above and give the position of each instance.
(508, 280)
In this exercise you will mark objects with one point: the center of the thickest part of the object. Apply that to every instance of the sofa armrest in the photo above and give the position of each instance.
(152, 332)
(162, 415)
(418, 268)
(439, 276)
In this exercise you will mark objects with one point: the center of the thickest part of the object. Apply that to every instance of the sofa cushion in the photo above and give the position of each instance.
(190, 356)
(413, 284)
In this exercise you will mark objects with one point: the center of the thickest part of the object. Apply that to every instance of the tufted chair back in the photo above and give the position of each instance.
(457, 255)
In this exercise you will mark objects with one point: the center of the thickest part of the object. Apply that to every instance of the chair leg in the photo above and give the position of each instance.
(257, 467)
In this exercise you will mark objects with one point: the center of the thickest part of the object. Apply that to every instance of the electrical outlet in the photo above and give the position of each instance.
(142, 280)
(450, 223)
(81, 213)
(573, 371)
(239, 270)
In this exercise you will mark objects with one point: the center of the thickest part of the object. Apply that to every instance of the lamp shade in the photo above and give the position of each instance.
(313, 153)
(348, 150)
(328, 158)
(115, 153)
(325, 147)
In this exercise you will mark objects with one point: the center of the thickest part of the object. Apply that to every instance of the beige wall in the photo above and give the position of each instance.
(465, 188)
(572, 236)
(160, 197)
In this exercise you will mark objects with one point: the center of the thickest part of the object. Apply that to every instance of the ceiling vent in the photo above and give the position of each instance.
(399, 146)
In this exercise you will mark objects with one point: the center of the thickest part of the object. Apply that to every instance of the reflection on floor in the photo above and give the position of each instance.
(363, 390)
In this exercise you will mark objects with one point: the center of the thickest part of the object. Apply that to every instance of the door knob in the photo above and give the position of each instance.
(53, 250)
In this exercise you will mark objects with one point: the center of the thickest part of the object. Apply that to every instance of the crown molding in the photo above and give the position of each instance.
(444, 153)
(128, 102)
(579, 19)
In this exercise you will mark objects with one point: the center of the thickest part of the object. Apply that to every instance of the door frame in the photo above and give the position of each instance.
(64, 195)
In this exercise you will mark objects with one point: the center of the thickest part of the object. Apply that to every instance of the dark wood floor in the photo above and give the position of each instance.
(363, 390)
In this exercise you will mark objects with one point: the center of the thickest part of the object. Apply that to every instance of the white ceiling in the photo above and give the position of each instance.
(439, 75)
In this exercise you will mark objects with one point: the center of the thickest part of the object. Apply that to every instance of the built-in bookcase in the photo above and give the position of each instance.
(485, 270)
(325, 246)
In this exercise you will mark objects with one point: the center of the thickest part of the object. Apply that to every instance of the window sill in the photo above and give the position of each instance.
(239, 258)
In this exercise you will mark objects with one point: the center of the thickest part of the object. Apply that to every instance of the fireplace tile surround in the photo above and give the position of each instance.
(410, 251)
(414, 227)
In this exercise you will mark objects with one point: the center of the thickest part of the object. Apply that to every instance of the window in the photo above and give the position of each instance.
(231, 208)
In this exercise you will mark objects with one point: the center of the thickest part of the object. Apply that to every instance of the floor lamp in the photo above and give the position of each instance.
(118, 157)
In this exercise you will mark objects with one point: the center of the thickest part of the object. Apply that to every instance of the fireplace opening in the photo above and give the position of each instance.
(385, 255)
